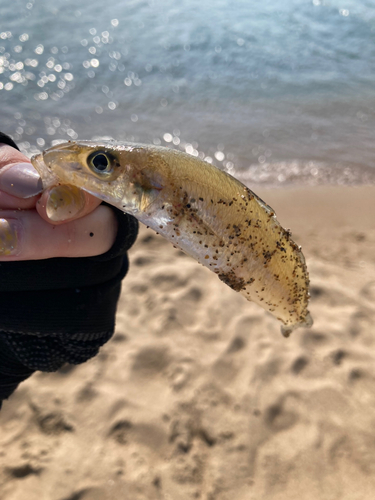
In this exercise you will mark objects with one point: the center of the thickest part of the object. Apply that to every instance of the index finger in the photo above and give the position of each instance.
(20, 183)
(9, 155)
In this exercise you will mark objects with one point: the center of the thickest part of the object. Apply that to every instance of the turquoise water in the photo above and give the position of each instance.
(276, 92)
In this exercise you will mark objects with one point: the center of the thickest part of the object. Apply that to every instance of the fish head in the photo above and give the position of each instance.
(115, 173)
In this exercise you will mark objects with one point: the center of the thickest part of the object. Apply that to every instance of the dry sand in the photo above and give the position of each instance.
(198, 396)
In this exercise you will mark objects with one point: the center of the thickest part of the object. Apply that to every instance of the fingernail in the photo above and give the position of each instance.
(64, 202)
(21, 180)
(10, 232)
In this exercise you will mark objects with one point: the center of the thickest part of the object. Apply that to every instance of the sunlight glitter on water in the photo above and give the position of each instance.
(292, 87)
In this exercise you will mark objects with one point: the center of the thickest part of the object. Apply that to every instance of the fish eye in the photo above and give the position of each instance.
(101, 162)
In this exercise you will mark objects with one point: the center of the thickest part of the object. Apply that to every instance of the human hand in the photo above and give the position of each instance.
(62, 221)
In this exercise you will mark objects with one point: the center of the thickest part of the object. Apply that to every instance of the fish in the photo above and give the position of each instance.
(200, 209)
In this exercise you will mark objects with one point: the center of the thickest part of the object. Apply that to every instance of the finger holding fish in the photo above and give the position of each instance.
(62, 203)
(20, 184)
(25, 236)
(27, 232)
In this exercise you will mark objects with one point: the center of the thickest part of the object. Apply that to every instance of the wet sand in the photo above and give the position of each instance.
(198, 396)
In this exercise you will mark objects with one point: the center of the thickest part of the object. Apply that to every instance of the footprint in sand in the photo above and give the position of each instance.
(167, 281)
(151, 360)
(281, 415)
(299, 364)
(368, 291)
(332, 296)
(116, 490)
(361, 324)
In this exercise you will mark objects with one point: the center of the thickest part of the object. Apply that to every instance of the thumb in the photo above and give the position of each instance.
(63, 203)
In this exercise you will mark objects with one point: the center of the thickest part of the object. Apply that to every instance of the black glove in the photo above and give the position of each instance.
(61, 310)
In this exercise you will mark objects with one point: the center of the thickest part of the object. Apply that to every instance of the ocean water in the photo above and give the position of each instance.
(275, 92)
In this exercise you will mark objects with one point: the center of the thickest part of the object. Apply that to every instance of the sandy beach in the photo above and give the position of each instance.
(198, 395)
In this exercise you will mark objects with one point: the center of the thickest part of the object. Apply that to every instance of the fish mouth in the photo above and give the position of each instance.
(49, 178)
(38, 163)
(54, 167)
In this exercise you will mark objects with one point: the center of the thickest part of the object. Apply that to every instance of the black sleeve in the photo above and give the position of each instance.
(61, 310)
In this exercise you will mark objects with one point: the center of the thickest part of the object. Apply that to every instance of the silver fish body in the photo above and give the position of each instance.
(202, 210)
